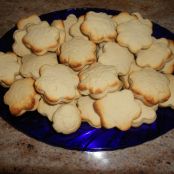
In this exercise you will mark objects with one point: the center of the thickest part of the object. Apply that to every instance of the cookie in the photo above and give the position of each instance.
(118, 110)
(148, 115)
(46, 109)
(116, 55)
(18, 46)
(169, 66)
(75, 30)
(32, 63)
(134, 67)
(99, 27)
(170, 101)
(23, 22)
(57, 83)
(9, 68)
(88, 114)
(66, 119)
(142, 20)
(123, 17)
(21, 97)
(97, 80)
(134, 35)
(60, 26)
(155, 56)
(41, 38)
(77, 53)
(149, 86)
(70, 20)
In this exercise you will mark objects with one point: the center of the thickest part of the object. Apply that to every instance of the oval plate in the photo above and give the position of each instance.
(86, 138)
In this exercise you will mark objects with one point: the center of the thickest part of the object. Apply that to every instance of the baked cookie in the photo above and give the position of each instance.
(149, 86)
(75, 28)
(70, 20)
(23, 22)
(148, 115)
(170, 101)
(134, 35)
(60, 26)
(116, 55)
(142, 20)
(155, 56)
(118, 109)
(99, 27)
(18, 46)
(134, 67)
(21, 97)
(66, 119)
(57, 83)
(169, 66)
(77, 53)
(123, 17)
(32, 63)
(88, 114)
(9, 68)
(46, 109)
(41, 38)
(97, 80)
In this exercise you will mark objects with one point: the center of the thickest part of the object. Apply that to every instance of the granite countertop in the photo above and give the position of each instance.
(21, 154)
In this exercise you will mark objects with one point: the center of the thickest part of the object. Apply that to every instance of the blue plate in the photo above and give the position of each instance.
(86, 138)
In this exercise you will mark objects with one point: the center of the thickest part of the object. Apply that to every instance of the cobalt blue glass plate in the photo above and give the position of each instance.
(86, 138)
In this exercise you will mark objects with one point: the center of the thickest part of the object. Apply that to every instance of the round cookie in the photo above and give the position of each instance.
(155, 56)
(149, 86)
(148, 115)
(85, 105)
(21, 97)
(99, 27)
(41, 38)
(32, 63)
(97, 80)
(66, 119)
(113, 54)
(9, 68)
(77, 53)
(118, 110)
(57, 83)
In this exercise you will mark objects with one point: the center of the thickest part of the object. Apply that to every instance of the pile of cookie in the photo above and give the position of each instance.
(105, 70)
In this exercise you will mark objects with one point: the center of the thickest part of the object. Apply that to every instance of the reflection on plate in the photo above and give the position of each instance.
(86, 138)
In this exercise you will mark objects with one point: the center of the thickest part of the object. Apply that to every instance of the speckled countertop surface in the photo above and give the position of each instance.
(21, 154)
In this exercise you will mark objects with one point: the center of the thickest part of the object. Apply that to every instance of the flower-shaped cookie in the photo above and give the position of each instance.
(118, 109)
(99, 27)
(32, 63)
(41, 38)
(135, 35)
(98, 79)
(21, 97)
(113, 54)
(155, 56)
(77, 53)
(57, 83)
(149, 86)
(9, 68)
